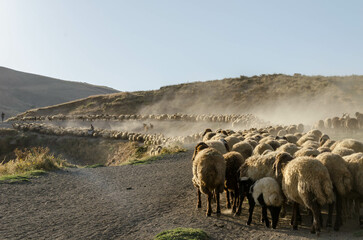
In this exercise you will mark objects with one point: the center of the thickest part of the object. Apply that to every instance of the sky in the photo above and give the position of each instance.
(142, 45)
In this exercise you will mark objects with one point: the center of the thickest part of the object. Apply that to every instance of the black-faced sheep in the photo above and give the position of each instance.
(209, 169)
(305, 181)
(266, 192)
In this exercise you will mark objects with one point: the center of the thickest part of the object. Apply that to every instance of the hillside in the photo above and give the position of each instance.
(278, 97)
(21, 91)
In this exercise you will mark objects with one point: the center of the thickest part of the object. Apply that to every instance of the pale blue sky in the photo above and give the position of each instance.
(141, 45)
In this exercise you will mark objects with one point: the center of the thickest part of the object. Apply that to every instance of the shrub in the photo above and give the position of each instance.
(36, 158)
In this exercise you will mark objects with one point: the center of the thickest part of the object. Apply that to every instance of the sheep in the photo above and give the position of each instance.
(232, 141)
(260, 148)
(355, 166)
(266, 192)
(273, 143)
(323, 149)
(305, 181)
(208, 134)
(220, 145)
(343, 151)
(244, 148)
(234, 160)
(291, 138)
(255, 168)
(307, 152)
(323, 139)
(252, 142)
(342, 182)
(289, 147)
(209, 169)
(355, 145)
(329, 143)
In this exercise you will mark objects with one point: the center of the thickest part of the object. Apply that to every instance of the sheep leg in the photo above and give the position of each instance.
(228, 201)
(209, 208)
(199, 204)
(298, 216)
(338, 219)
(218, 206)
(264, 216)
(316, 216)
(241, 199)
(330, 215)
(275, 212)
(283, 209)
(233, 196)
(294, 216)
(252, 203)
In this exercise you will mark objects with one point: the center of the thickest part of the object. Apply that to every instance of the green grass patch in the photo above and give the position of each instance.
(21, 177)
(182, 234)
(358, 234)
(95, 165)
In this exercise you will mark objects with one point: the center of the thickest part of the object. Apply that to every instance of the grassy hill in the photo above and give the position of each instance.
(21, 91)
(276, 97)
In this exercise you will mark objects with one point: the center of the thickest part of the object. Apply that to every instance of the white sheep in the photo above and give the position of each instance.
(266, 192)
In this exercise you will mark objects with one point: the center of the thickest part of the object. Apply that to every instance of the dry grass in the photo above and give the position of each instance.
(32, 159)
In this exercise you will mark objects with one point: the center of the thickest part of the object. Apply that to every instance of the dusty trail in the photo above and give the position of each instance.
(126, 202)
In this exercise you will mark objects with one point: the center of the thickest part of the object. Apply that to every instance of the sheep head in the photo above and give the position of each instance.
(206, 131)
(200, 146)
(281, 160)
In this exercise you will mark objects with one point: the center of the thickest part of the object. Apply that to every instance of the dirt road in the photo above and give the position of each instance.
(126, 202)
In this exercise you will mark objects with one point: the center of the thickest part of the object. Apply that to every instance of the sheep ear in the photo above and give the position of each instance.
(226, 145)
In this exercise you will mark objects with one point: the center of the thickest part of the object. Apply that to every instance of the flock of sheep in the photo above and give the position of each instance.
(275, 166)
(270, 166)
(237, 120)
(344, 123)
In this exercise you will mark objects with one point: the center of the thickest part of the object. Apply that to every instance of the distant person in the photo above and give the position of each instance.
(91, 131)
(2, 116)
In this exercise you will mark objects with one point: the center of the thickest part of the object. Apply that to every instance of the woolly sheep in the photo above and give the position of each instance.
(305, 181)
(234, 160)
(355, 166)
(291, 138)
(307, 152)
(209, 169)
(342, 182)
(260, 148)
(244, 148)
(219, 145)
(232, 141)
(289, 147)
(273, 143)
(323, 149)
(343, 151)
(355, 145)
